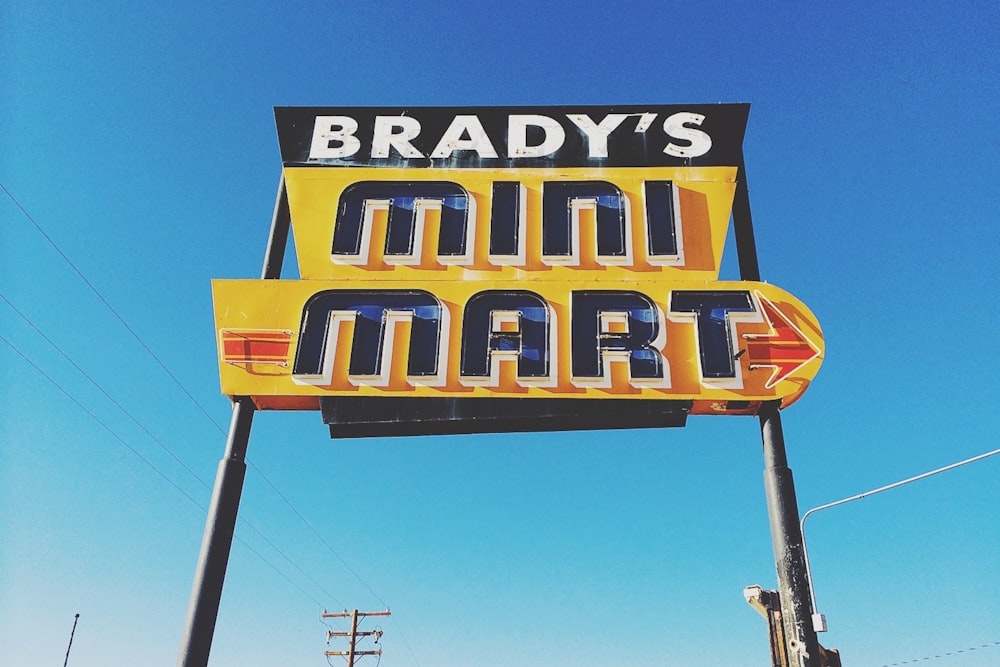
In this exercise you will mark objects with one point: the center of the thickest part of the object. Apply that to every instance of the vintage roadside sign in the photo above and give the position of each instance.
(510, 269)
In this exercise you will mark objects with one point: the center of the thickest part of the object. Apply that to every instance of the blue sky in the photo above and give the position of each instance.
(140, 137)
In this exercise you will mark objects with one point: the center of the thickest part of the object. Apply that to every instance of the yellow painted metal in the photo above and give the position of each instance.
(778, 348)
(705, 196)
(268, 314)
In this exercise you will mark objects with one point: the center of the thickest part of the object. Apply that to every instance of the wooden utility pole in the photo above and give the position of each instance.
(353, 634)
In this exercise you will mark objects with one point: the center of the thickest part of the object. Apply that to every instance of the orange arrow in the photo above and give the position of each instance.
(786, 349)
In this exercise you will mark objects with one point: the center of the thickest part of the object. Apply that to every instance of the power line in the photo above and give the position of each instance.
(100, 422)
(943, 655)
(101, 389)
(166, 478)
(247, 523)
(174, 378)
(190, 397)
(111, 308)
(317, 534)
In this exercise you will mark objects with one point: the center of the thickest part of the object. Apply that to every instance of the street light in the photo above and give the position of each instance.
(818, 619)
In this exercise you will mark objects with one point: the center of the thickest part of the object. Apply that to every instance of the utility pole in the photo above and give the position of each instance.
(354, 633)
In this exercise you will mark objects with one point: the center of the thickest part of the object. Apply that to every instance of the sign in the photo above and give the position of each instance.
(511, 269)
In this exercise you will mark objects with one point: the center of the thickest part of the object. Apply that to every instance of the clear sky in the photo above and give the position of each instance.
(140, 137)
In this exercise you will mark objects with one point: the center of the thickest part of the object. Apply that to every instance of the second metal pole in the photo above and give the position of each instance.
(786, 537)
(220, 526)
(206, 593)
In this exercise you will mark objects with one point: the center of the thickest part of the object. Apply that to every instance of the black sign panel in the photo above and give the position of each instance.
(513, 137)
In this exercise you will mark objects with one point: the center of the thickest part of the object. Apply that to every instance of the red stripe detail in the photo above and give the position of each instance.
(242, 347)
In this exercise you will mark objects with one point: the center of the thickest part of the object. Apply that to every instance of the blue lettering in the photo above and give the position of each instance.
(711, 312)
(371, 311)
(404, 200)
(661, 220)
(609, 325)
(514, 324)
(506, 220)
(560, 202)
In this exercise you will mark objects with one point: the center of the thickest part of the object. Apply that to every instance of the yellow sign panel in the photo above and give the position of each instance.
(721, 345)
(560, 255)
(376, 224)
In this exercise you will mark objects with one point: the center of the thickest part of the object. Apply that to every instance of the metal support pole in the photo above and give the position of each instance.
(746, 244)
(782, 508)
(206, 593)
(277, 239)
(220, 526)
(786, 537)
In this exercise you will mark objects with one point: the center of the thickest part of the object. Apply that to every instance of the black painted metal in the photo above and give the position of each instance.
(206, 593)
(356, 417)
(786, 538)
(746, 245)
(779, 488)
(637, 144)
(277, 240)
(220, 525)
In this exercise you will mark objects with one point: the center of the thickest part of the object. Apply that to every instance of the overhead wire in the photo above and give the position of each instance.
(319, 536)
(38, 227)
(110, 308)
(99, 421)
(343, 562)
(243, 520)
(159, 472)
(175, 380)
(949, 654)
(101, 389)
